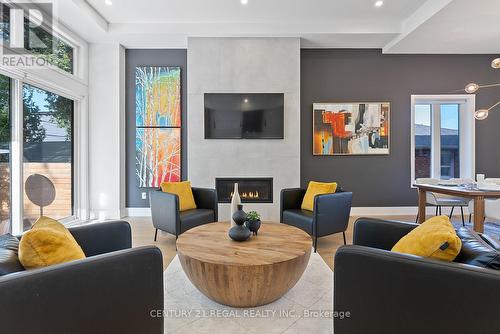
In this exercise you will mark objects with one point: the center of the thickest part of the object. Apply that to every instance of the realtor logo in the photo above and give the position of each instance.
(26, 33)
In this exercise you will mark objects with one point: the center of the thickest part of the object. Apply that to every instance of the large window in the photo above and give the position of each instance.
(45, 164)
(40, 41)
(423, 140)
(43, 120)
(57, 52)
(5, 204)
(450, 140)
(443, 137)
(47, 155)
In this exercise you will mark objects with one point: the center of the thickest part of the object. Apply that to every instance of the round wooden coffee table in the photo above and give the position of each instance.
(244, 274)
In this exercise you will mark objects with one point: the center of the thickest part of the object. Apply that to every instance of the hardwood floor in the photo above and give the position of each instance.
(143, 234)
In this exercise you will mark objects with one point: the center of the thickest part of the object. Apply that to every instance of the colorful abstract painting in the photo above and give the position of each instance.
(158, 125)
(158, 156)
(351, 128)
(158, 96)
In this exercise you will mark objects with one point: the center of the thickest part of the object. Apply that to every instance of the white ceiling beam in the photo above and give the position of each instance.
(419, 17)
(251, 28)
(94, 14)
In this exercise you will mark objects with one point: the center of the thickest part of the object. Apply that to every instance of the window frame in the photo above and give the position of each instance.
(73, 216)
(73, 86)
(80, 197)
(78, 44)
(10, 153)
(467, 131)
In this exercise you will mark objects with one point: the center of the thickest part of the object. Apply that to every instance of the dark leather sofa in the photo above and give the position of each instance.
(113, 290)
(387, 292)
(330, 212)
(167, 217)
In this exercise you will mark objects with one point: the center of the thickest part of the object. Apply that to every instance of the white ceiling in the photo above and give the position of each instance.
(297, 11)
(399, 26)
(463, 26)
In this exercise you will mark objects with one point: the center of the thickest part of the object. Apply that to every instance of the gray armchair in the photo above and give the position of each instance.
(387, 292)
(330, 215)
(167, 217)
(114, 290)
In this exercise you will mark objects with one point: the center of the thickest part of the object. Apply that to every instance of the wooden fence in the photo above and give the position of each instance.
(58, 173)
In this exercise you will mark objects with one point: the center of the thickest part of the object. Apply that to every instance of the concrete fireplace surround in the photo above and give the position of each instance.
(244, 65)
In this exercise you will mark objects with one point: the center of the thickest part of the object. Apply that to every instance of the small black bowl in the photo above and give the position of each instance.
(253, 225)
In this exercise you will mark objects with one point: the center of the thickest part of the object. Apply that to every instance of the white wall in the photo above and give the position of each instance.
(106, 130)
(244, 65)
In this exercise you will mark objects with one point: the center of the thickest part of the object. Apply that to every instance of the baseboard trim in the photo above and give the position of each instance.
(355, 211)
(105, 214)
(401, 211)
(138, 212)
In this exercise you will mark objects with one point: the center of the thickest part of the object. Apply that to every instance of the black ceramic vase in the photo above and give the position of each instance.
(239, 233)
(253, 225)
(239, 216)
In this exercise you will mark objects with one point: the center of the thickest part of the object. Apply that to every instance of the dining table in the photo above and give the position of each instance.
(466, 191)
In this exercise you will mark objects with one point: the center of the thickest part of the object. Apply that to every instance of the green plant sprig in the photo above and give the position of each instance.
(253, 215)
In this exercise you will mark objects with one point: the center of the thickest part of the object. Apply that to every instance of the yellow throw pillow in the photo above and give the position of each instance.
(48, 243)
(183, 190)
(435, 238)
(316, 188)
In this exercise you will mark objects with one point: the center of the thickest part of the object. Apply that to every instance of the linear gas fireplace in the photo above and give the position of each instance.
(251, 189)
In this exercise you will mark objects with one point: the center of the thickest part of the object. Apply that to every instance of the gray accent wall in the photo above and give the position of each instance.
(244, 65)
(140, 57)
(347, 75)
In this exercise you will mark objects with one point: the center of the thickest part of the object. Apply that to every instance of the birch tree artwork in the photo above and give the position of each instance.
(158, 156)
(158, 125)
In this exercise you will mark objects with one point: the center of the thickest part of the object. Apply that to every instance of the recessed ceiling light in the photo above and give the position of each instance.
(379, 3)
(108, 2)
(245, 100)
(244, 2)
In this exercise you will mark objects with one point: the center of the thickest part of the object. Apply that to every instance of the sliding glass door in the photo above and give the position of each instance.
(37, 121)
(47, 155)
(40, 181)
(5, 155)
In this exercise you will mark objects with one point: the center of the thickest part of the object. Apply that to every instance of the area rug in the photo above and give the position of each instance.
(306, 308)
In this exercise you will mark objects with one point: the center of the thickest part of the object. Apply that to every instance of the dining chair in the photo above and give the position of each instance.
(440, 200)
(491, 206)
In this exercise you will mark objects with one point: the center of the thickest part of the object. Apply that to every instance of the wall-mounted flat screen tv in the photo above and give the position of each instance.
(244, 116)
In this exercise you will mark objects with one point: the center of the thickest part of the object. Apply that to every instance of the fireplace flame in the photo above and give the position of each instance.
(249, 195)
